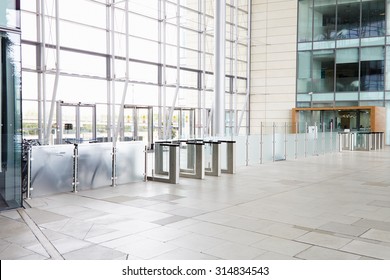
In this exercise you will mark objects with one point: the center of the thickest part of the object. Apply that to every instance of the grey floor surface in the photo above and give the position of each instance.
(331, 207)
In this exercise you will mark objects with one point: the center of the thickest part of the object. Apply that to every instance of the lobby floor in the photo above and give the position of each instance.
(334, 206)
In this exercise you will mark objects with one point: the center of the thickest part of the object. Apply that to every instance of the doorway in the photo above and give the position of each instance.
(76, 123)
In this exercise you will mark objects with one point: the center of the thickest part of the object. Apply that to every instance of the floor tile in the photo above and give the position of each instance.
(14, 252)
(187, 212)
(164, 233)
(43, 216)
(94, 252)
(23, 238)
(133, 226)
(108, 236)
(380, 203)
(147, 249)
(240, 236)
(124, 241)
(68, 244)
(281, 246)
(184, 254)
(196, 242)
(166, 197)
(273, 256)
(320, 253)
(368, 249)
(169, 220)
(234, 251)
(344, 229)
(38, 248)
(206, 228)
(379, 235)
(118, 199)
(325, 240)
(282, 230)
(373, 224)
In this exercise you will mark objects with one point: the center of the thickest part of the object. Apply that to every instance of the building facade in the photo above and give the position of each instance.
(320, 54)
(10, 105)
(342, 61)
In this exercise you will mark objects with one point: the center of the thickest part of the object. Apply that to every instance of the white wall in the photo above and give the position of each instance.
(273, 65)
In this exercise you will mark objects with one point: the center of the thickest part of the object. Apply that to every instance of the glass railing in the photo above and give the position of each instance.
(279, 141)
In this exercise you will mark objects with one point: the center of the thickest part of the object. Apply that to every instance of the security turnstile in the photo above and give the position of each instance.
(167, 165)
(194, 159)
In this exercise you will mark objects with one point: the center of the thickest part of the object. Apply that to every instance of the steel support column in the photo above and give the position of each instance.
(219, 67)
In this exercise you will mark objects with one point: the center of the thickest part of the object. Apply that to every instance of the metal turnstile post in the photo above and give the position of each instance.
(231, 157)
(75, 179)
(196, 168)
(215, 169)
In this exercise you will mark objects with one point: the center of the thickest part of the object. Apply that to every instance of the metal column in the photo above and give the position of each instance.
(219, 67)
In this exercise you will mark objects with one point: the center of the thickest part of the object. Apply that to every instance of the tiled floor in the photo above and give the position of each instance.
(333, 206)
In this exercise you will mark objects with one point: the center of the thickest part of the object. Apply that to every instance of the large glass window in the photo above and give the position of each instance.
(373, 18)
(348, 19)
(304, 83)
(372, 69)
(323, 71)
(305, 21)
(347, 70)
(324, 20)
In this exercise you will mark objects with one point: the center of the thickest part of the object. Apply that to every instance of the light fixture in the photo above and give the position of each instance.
(310, 93)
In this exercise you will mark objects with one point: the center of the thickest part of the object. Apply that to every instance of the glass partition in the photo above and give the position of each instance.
(10, 117)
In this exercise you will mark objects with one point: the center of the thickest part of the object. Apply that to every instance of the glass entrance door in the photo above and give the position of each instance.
(187, 123)
(137, 124)
(76, 123)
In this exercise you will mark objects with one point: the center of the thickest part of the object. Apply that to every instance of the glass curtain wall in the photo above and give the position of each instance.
(10, 109)
(170, 61)
(342, 53)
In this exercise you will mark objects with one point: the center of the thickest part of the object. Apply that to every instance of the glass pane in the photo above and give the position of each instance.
(346, 120)
(86, 124)
(290, 152)
(323, 71)
(324, 20)
(267, 148)
(254, 149)
(347, 70)
(68, 124)
(305, 20)
(348, 17)
(241, 151)
(304, 72)
(10, 119)
(128, 124)
(323, 96)
(373, 18)
(372, 69)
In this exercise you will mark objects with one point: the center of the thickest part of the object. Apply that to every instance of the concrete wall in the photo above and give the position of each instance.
(273, 65)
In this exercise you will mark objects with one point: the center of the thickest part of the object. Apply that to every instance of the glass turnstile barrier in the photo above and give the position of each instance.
(166, 163)
(192, 159)
(361, 141)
